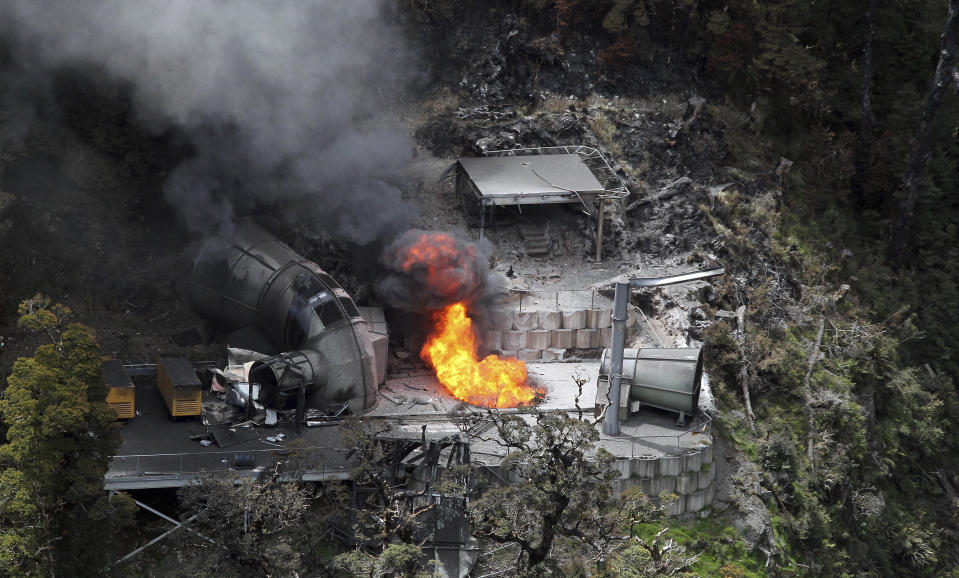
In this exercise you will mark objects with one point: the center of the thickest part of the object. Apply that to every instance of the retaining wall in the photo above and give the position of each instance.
(690, 477)
(534, 334)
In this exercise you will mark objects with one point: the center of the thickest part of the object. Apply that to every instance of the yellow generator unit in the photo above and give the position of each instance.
(122, 392)
(180, 387)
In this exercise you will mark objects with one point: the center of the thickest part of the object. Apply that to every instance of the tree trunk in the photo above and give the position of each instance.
(743, 375)
(540, 552)
(807, 395)
(864, 148)
(915, 169)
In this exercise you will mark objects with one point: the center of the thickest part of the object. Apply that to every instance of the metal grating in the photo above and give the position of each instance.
(124, 409)
(187, 407)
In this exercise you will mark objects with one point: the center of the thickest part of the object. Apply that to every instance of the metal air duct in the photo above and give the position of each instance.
(252, 279)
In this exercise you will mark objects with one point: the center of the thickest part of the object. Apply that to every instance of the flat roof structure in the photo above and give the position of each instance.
(538, 176)
(531, 180)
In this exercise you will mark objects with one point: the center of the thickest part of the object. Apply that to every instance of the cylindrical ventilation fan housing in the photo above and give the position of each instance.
(669, 379)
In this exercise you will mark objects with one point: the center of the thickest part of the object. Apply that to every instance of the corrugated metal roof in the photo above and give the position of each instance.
(530, 175)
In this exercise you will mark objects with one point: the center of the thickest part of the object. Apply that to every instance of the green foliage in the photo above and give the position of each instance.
(557, 514)
(54, 514)
(721, 550)
(562, 488)
(604, 129)
(914, 413)
(396, 560)
(38, 316)
(257, 524)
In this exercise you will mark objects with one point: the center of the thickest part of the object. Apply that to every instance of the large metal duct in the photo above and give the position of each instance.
(252, 279)
(669, 379)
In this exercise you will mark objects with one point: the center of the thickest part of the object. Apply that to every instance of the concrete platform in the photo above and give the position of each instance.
(647, 433)
(158, 452)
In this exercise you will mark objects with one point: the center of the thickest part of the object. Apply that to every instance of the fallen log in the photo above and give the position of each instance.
(670, 190)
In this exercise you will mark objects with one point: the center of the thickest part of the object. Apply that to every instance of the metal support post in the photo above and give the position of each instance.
(599, 230)
(618, 342)
(482, 219)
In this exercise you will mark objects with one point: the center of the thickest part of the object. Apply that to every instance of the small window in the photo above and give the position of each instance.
(326, 309)
(349, 307)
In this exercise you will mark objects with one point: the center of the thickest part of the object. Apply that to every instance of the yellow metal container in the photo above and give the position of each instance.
(122, 393)
(180, 387)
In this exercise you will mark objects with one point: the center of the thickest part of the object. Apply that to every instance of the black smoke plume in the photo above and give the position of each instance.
(428, 270)
(281, 102)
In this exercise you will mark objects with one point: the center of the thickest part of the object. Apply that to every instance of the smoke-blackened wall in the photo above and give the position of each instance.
(281, 102)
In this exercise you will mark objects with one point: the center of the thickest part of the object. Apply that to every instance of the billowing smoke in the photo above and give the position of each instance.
(281, 102)
(429, 270)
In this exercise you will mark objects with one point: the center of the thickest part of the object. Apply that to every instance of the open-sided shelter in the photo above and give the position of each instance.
(539, 176)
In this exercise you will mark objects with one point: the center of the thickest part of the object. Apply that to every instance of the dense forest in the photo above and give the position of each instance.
(833, 128)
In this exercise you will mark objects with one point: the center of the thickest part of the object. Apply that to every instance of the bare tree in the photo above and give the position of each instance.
(915, 168)
(864, 148)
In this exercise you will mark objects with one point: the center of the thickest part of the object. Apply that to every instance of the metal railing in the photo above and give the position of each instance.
(528, 297)
(185, 464)
(681, 443)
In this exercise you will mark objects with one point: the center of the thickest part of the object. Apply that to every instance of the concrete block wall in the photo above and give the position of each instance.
(690, 477)
(546, 334)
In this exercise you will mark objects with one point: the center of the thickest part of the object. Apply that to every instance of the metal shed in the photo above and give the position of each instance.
(538, 176)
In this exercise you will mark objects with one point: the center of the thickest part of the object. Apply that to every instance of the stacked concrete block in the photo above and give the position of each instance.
(696, 501)
(501, 319)
(563, 338)
(670, 465)
(706, 477)
(515, 339)
(575, 319)
(548, 329)
(622, 467)
(707, 452)
(539, 339)
(599, 318)
(690, 476)
(550, 319)
(493, 339)
(553, 354)
(529, 354)
(525, 320)
(662, 485)
(605, 336)
(644, 467)
(587, 338)
(645, 484)
(508, 352)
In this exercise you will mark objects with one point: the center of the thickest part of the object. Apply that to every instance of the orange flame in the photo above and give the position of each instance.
(445, 265)
(493, 381)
